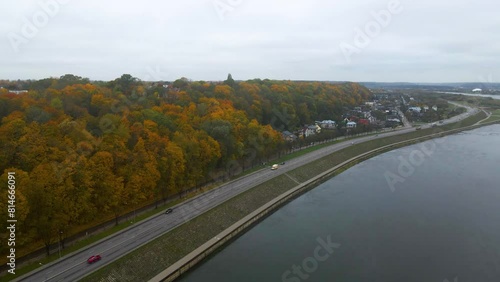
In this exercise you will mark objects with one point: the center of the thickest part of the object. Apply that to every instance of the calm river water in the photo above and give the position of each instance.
(496, 97)
(428, 212)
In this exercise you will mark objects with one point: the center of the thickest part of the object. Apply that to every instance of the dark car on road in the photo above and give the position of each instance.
(168, 211)
(93, 259)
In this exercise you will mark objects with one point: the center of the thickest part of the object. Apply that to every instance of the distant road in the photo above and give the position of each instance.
(74, 266)
(405, 121)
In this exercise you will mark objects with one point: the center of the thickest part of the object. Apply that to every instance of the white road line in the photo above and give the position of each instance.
(295, 180)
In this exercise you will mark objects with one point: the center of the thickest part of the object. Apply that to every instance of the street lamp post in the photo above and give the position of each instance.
(60, 235)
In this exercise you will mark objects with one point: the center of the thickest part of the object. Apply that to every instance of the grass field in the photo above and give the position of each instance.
(495, 116)
(150, 259)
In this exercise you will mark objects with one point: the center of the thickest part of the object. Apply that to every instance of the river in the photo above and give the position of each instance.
(426, 212)
(497, 97)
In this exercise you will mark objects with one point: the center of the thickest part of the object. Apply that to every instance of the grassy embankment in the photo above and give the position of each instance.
(495, 116)
(152, 258)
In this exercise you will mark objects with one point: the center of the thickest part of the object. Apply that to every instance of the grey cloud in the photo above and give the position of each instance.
(429, 41)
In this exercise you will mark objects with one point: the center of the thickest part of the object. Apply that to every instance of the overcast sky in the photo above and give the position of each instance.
(413, 41)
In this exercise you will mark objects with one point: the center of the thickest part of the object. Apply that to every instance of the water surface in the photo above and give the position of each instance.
(442, 223)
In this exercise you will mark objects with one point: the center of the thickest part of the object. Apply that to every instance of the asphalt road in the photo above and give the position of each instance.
(74, 266)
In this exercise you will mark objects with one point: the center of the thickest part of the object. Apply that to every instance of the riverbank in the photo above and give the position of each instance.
(421, 226)
(158, 255)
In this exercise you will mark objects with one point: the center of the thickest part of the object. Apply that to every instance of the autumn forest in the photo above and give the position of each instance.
(88, 151)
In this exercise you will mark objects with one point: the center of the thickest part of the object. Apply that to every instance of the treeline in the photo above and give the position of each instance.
(84, 151)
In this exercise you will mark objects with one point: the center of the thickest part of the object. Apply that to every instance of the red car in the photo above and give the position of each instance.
(93, 259)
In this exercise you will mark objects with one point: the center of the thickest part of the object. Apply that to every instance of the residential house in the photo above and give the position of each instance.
(311, 130)
(288, 136)
(351, 124)
(17, 92)
(415, 109)
(327, 124)
(300, 133)
(363, 121)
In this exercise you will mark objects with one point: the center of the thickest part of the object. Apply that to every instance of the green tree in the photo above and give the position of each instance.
(142, 176)
(108, 193)
(46, 205)
(229, 81)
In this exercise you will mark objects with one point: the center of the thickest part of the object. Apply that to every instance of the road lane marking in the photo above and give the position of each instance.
(295, 180)
(63, 271)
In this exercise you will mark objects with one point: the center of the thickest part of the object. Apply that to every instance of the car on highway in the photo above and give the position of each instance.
(274, 167)
(93, 259)
(169, 211)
